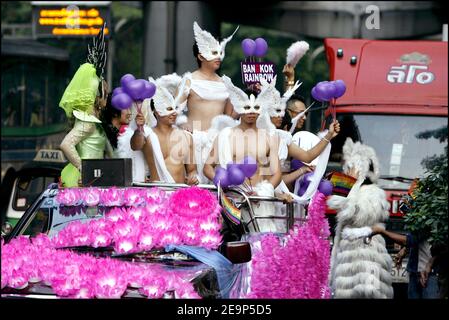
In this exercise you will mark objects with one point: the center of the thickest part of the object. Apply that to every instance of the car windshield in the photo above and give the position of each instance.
(50, 218)
(403, 143)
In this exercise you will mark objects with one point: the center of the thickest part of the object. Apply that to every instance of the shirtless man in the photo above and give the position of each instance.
(233, 144)
(206, 94)
(168, 150)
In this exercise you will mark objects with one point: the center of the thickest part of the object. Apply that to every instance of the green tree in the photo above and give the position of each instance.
(428, 214)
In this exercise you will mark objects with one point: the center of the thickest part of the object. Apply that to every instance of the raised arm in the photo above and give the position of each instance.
(308, 156)
(138, 138)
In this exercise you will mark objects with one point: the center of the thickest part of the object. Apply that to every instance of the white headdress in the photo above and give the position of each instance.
(165, 101)
(275, 103)
(244, 104)
(362, 158)
(208, 46)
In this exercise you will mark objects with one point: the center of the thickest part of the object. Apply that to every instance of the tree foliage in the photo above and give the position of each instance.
(428, 213)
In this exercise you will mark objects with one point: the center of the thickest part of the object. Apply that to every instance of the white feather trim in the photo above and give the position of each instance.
(355, 233)
(296, 51)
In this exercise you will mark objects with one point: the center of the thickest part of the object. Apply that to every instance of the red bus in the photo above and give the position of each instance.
(396, 93)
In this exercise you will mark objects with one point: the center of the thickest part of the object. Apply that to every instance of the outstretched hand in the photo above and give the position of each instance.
(140, 119)
(334, 129)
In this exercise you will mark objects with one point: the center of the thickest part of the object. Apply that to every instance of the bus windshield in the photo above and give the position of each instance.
(402, 143)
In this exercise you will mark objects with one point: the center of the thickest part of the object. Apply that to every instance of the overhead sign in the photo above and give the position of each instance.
(70, 19)
(253, 71)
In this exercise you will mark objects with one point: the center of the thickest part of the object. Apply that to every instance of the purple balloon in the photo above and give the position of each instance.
(126, 78)
(135, 89)
(295, 164)
(248, 47)
(316, 95)
(340, 88)
(232, 165)
(325, 187)
(221, 176)
(248, 166)
(235, 176)
(150, 90)
(121, 101)
(261, 47)
(325, 91)
(117, 91)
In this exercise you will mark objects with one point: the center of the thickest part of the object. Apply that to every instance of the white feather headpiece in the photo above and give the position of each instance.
(360, 157)
(296, 51)
(165, 101)
(244, 104)
(275, 104)
(208, 46)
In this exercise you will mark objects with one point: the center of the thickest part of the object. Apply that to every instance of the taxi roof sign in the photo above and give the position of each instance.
(49, 155)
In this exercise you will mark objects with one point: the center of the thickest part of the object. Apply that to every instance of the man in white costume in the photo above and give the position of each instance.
(206, 96)
(168, 150)
(233, 144)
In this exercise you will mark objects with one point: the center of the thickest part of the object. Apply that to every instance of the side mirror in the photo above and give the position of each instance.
(238, 251)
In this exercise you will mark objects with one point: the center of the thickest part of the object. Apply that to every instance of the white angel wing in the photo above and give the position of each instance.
(225, 41)
(170, 81)
(181, 94)
(238, 98)
(264, 122)
(268, 97)
(290, 92)
(204, 39)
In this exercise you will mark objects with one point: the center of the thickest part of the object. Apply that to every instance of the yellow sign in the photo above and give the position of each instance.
(70, 21)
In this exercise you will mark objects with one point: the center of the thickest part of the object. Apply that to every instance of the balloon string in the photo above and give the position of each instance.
(334, 111)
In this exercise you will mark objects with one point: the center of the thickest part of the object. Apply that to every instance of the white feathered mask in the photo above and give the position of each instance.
(244, 104)
(362, 158)
(208, 46)
(165, 101)
(275, 104)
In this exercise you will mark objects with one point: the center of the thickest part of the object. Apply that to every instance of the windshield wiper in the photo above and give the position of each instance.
(396, 178)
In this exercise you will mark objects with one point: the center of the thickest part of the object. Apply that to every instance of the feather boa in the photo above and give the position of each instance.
(301, 260)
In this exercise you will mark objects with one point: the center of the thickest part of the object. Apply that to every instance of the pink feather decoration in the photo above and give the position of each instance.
(296, 51)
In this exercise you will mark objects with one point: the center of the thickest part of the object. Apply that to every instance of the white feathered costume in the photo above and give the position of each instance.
(359, 268)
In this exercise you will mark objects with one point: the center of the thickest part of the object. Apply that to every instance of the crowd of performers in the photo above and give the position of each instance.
(199, 121)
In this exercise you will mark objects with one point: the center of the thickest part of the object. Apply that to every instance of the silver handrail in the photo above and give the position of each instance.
(246, 200)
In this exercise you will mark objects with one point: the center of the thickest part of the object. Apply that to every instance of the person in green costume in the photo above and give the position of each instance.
(83, 100)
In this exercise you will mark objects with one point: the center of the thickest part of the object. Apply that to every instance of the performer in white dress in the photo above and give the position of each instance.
(206, 96)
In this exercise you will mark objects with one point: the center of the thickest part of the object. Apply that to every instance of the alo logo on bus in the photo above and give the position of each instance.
(414, 68)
